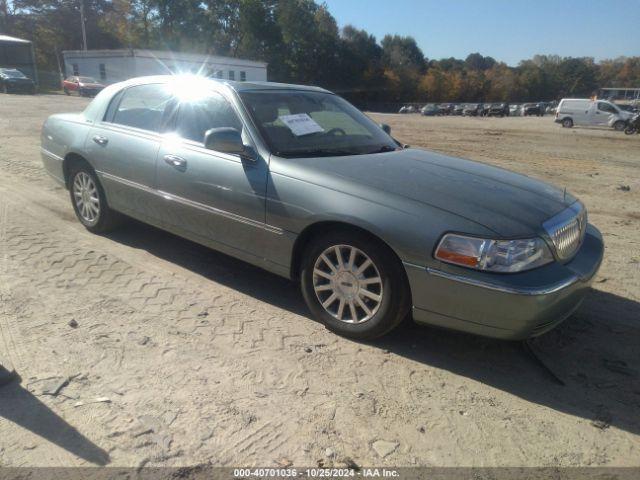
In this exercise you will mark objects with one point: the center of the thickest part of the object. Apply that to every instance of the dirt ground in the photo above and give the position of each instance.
(140, 348)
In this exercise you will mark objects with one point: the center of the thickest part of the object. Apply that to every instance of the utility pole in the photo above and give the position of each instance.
(84, 30)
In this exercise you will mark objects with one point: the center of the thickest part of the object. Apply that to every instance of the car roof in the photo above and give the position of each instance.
(237, 86)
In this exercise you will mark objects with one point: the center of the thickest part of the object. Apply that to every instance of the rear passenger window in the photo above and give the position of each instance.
(197, 116)
(143, 107)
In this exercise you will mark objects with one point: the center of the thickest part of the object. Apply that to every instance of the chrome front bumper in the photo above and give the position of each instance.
(507, 306)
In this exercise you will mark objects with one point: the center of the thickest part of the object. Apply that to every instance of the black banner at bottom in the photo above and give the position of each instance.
(207, 472)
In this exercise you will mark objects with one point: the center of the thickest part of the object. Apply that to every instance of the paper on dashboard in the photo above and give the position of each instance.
(301, 124)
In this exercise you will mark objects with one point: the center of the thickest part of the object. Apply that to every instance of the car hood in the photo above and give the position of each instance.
(507, 203)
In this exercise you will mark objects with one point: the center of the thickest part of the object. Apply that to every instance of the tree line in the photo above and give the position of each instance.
(302, 43)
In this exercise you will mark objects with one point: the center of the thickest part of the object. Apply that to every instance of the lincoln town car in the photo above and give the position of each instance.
(299, 182)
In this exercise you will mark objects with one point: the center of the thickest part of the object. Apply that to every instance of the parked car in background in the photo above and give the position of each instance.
(472, 109)
(296, 180)
(430, 110)
(591, 113)
(446, 108)
(458, 109)
(408, 109)
(83, 86)
(14, 81)
(498, 110)
(531, 109)
(515, 110)
(633, 125)
(484, 109)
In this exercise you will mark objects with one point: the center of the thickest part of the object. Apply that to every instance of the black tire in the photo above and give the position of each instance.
(106, 219)
(629, 130)
(567, 123)
(395, 295)
(619, 126)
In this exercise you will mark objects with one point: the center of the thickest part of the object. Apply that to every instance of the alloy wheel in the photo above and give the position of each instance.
(85, 194)
(347, 284)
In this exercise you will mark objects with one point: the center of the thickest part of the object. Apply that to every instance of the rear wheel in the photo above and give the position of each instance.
(567, 123)
(619, 126)
(89, 201)
(354, 284)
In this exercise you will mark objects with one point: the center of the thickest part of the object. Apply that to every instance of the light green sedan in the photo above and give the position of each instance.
(296, 180)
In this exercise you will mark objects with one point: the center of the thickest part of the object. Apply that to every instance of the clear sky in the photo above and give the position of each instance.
(507, 30)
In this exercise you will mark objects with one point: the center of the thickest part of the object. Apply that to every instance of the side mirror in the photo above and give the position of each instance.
(386, 128)
(226, 140)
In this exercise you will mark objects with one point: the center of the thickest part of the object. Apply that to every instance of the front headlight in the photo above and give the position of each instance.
(493, 255)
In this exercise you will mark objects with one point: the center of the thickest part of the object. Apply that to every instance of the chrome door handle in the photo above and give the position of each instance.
(175, 161)
(100, 140)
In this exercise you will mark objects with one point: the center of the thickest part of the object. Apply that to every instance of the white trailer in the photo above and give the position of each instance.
(111, 66)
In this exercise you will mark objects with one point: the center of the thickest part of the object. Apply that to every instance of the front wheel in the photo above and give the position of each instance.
(354, 284)
(89, 201)
(567, 123)
(619, 126)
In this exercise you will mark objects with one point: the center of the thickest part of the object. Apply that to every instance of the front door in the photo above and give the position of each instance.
(213, 195)
(604, 114)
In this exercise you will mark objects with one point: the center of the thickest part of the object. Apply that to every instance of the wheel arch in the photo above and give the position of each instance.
(567, 117)
(69, 161)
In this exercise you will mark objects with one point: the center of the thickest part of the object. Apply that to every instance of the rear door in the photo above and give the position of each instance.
(124, 147)
(213, 195)
(581, 112)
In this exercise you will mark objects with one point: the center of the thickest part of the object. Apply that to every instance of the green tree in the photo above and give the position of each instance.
(476, 61)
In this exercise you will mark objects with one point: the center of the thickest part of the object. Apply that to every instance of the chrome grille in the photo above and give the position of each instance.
(567, 230)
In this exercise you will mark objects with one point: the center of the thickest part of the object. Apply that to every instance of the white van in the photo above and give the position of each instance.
(591, 113)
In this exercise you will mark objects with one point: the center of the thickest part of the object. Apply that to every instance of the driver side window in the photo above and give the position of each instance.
(195, 117)
(605, 107)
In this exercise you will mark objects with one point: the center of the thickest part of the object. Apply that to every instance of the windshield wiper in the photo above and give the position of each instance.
(382, 149)
(315, 152)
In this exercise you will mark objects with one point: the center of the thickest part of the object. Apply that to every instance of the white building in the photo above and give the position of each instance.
(111, 66)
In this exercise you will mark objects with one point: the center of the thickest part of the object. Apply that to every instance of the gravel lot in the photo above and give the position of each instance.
(140, 348)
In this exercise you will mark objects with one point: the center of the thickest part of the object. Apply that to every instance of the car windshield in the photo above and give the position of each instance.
(304, 124)
(87, 80)
(13, 74)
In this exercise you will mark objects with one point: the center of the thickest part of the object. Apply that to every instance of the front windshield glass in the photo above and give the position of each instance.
(87, 80)
(13, 73)
(303, 124)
